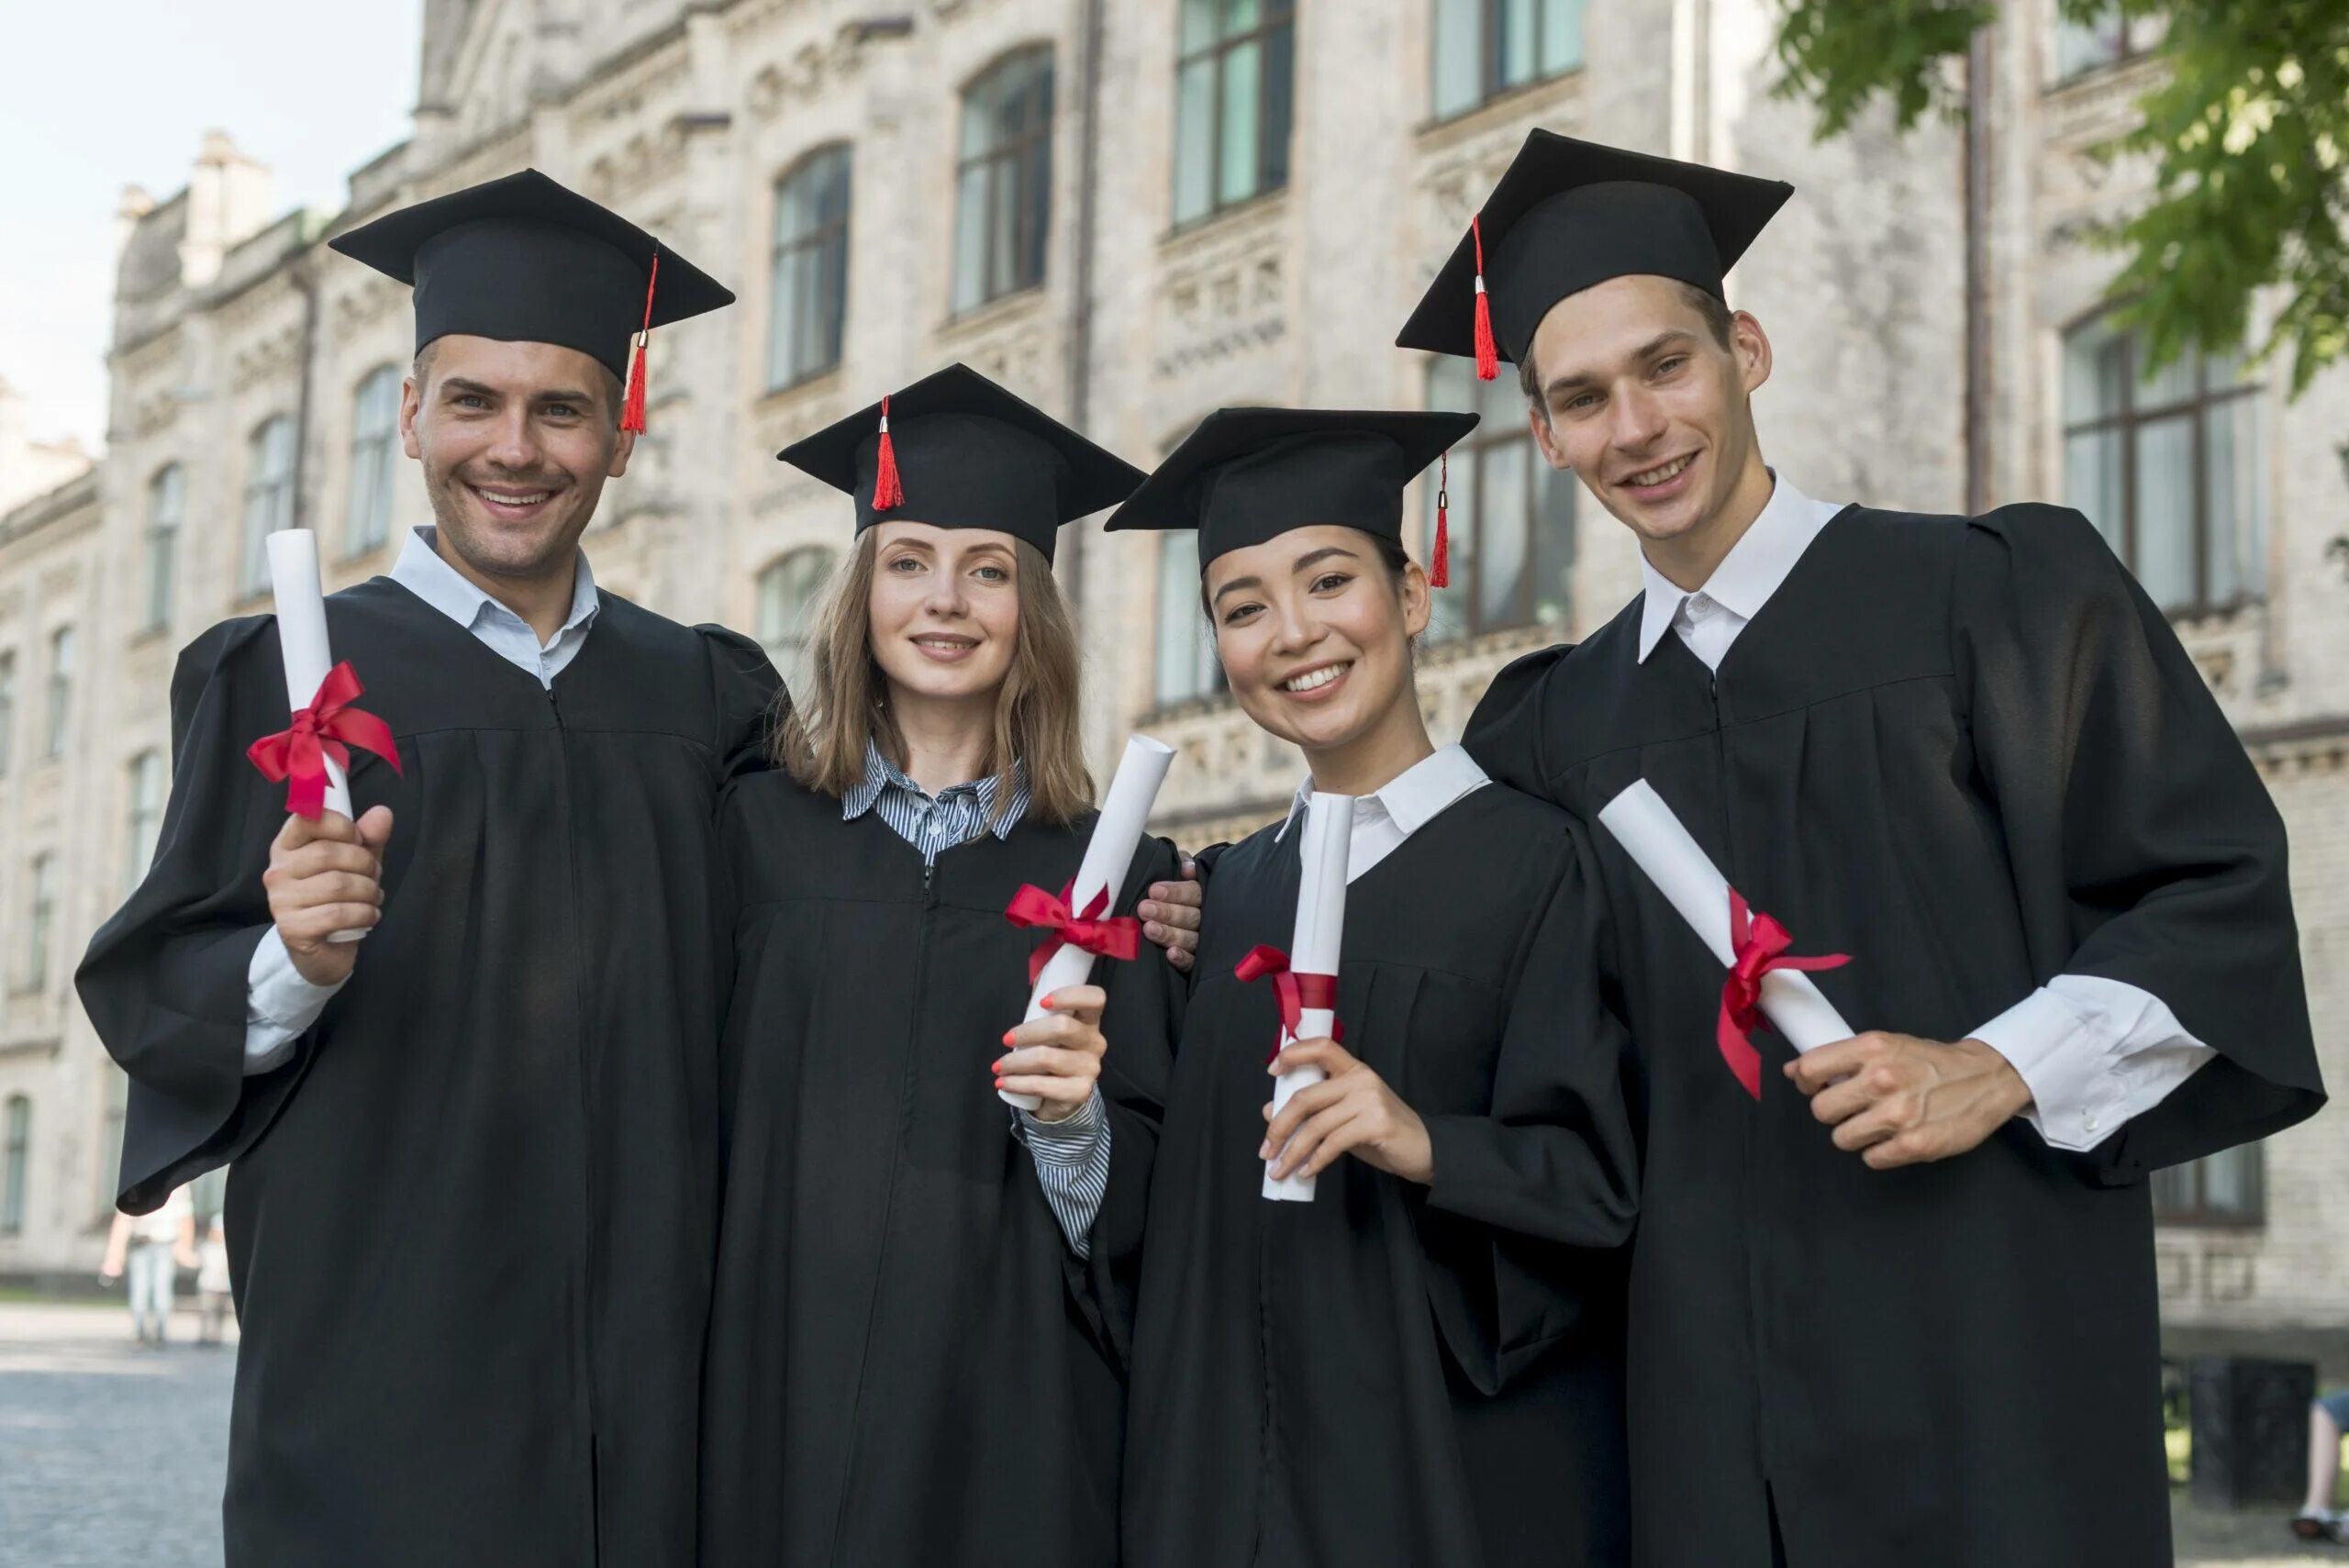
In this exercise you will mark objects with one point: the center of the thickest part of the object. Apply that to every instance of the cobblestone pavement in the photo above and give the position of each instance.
(111, 1456)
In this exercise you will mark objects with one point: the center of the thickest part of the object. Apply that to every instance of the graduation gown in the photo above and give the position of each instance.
(470, 1220)
(908, 1363)
(1970, 753)
(1396, 1373)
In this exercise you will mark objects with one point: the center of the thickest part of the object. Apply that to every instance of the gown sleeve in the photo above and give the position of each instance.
(1506, 732)
(1143, 1021)
(1529, 1205)
(2145, 848)
(749, 700)
(165, 980)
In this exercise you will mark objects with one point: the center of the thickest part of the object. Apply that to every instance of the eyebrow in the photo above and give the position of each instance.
(1310, 558)
(559, 395)
(1669, 337)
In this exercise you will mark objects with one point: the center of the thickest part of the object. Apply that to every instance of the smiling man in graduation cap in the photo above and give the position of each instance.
(472, 1192)
(1899, 1305)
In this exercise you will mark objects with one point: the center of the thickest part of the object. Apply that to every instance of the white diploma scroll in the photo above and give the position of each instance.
(1692, 885)
(301, 638)
(1109, 856)
(1314, 949)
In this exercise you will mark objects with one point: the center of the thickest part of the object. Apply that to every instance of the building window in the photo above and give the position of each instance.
(2225, 1188)
(8, 709)
(39, 916)
(1232, 90)
(269, 498)
(16, 1164)
(166, 504)
(374, 452)
(1004, 180)
(1512, 528)
(60, 690)
(2110, 39)
(808, 294)
(1487, 47)
(116, 1098)
(789, 587)
(147, 777)
(1188, 665)
(2168, 467)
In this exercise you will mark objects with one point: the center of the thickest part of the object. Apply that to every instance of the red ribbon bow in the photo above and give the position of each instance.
(327, 727)
(1119, 936)
(1761, 944)
(1294, 991)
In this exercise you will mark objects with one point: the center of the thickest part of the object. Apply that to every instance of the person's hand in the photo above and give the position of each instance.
(1352, 1111)
(110, 1271)
(1170, 915)
(1905, 1101)
(323, 877)
(1057, 1057)
(185, 1257)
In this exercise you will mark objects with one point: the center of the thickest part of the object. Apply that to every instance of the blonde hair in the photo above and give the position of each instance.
(821, 730)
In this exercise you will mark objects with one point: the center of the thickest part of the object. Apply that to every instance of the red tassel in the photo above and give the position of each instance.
(1488, 359)
(632, 409)
(1440, 557)
(887, 491)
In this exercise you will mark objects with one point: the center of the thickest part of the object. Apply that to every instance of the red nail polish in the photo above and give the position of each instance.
(1006, 1037)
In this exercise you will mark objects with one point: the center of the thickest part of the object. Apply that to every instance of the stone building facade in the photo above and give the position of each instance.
(1132, 212)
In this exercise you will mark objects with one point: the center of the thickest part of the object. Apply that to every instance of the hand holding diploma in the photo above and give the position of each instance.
(326, 879)
(1056, 1058)
(1897, 1100)
(1351, 1111)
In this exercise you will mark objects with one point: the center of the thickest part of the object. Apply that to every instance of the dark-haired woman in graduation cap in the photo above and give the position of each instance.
(918, 1346)
(1422, 1365)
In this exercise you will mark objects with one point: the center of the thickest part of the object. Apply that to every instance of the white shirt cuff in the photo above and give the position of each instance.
(2094, 1052)
(279, 1004)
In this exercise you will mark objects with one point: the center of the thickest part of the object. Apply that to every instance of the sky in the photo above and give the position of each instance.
(109, 93)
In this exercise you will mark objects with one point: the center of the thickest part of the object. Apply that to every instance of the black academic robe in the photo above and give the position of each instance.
(1395, 1373)
(1970, 753)
(470, 1221)
(907, 1363)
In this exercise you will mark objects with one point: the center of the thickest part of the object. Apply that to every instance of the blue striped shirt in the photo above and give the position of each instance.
(1072, 1156)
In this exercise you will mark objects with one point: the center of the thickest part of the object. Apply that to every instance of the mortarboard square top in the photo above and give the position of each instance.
(523, 259)
(956, 450)
(1568, 215)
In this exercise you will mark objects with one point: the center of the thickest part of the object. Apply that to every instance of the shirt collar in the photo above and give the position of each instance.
(1413, 797)
(421, 571)
(881, 774)
(1756, 564)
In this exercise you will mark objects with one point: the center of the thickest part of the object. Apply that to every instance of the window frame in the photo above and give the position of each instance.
(146, 815)
(2127, 423)
(2141, 37)
(267, 496)
(826, 562)
(16, 1161)
(2198, 1213)
(1205, 660)
(355, 543)
(57, 714)
(1490, 435)
(1001, 161)
(831, 234)
(1491, 23)
(1273, 16)
(40, 920)
(8, 709)
(163, 536)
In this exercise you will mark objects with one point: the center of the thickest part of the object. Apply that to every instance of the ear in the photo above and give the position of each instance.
(411, 404)
(622, 450)
(1751, 346)
(1419, 600)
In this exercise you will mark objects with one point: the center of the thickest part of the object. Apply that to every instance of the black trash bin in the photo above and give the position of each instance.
(2250, 1425)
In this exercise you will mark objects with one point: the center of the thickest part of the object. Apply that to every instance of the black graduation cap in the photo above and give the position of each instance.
(523, 259)
(955, 450)
(1567, 215)
(1247, 475)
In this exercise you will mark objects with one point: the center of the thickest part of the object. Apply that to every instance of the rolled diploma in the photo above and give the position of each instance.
(1314, 949)
(301, 638)
(1692, 885)
(1109, 854)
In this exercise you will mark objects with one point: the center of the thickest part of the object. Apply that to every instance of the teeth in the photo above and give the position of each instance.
(516, 499)
(1314, 678)
(1659, 476)
(952, 643)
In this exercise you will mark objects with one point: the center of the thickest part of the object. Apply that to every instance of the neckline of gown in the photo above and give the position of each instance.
(443, 623)
(1806, 565)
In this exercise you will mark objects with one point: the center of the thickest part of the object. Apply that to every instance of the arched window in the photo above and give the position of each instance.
(269, 497)
(808, 293)
(166, 506)
(15, 1163)
(1233, 91)
(147, 783)
(1487, 47)
(375, 457)
(789, 587)
(2168, 467)
(1512, 516)
(1004, 179)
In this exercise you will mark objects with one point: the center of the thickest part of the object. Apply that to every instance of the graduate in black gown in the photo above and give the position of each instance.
(1422, 1365)
(919, 1345)
(473, 1159)
(1897, 1305)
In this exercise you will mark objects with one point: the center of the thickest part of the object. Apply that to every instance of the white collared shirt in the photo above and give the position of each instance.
(279, 1003)
(1399, 807)
(2094, 1051)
